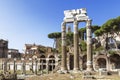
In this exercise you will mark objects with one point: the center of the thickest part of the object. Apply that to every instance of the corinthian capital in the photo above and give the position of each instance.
(75, 23)
(88, 23)
(63, 24)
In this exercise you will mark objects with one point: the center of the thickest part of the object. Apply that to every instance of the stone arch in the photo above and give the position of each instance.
(115, 61)
(42, 56)
(51, 62)
(101, 61)
(34, 57)
(51, 55)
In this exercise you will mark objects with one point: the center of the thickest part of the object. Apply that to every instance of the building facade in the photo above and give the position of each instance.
(13, 53)
(3, 48)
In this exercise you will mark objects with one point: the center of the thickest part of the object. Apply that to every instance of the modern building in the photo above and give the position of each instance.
(3, 48)
(13, 53)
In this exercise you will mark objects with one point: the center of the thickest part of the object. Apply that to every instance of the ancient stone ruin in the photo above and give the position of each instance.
(75, 17)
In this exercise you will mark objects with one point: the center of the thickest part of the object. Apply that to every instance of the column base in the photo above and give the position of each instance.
(62, 71)
(89, 72)
(89, 66)
(89, 69)
(76, 70)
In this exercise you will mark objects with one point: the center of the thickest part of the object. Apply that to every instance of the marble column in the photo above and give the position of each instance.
(68, 63)
(76, 48)
(52, 65)
(47, 65)
(23, 67)
(64, 54)
(89, 45)
(36, 66)
(14, 66)
(5, 65)
(108, 64)
(42, 66)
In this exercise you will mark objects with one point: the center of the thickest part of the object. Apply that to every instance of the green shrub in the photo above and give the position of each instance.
(112, 52)
(99, 48)
(83, 45)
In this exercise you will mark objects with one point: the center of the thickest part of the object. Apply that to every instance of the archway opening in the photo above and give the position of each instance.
(115, 61)
(84, 62)
(42, 62)
(101, 63)
(71, 62)
(51, 62)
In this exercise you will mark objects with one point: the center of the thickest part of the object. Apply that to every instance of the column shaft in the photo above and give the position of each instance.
(89, 46)
(64, 55)
(36, 67)
(24, 67)
(47, 65)
(108, 64)
(76, 48)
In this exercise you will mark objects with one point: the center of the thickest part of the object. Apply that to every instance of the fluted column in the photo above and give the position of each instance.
(36, 66)
(89, 45)
(64, 55)
(68, 63)
(76, 48)
(108, 64)
(5, 65)
(23, 66)
(47, 65)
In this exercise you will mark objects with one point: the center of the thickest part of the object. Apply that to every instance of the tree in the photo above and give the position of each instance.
(56, 36)
(69, 37)
(94, 28)
(81, 33)
(98, 32)
(83, 45)
(117, 27)
(111, 27)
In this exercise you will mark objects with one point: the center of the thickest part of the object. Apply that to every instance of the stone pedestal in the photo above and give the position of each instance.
(103, 73)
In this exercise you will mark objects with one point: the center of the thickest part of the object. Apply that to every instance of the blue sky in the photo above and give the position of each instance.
(30, 21)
